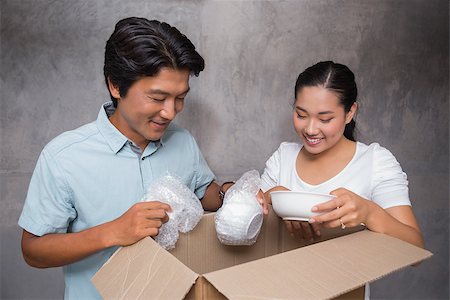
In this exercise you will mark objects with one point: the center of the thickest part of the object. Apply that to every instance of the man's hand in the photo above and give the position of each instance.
(141, 220)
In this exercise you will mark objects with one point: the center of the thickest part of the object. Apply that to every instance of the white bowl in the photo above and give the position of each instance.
(290, 205)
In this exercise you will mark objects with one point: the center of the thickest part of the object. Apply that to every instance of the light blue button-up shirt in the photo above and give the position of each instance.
(92, 175)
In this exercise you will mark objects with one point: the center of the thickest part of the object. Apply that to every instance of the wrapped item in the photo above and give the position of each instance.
(168, 234)
(186, 208)
(239, 220)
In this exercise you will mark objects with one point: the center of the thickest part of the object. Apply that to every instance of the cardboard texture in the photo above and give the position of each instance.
(203, 290)
(269, 269)
(319, 271)
(143, 271)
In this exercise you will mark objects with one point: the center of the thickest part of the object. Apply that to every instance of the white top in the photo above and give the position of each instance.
(373, 173)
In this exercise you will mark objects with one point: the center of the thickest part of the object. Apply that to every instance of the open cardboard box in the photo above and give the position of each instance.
(340, 263)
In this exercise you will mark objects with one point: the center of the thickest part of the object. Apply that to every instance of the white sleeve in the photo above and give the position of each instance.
(271, 174)
(390, 184)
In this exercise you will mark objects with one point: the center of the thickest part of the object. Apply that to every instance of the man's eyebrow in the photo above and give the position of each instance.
(327, 112)
(186, 91)
(164, 93)
(158, 92)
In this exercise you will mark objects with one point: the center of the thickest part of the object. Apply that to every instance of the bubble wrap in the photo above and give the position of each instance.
(186, 208)
(239, 220)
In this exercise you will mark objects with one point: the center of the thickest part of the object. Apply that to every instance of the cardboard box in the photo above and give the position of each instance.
(277, 266)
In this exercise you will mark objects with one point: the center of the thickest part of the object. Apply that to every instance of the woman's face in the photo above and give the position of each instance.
(319, 118)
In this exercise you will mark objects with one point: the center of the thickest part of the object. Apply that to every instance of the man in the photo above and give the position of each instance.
(83, 197)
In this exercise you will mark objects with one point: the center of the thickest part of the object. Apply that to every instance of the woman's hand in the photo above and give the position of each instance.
(346, 210)
(274, 189)
(263, 201)
(303, 230)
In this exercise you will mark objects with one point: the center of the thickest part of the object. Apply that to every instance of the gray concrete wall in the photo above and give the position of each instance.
(239, 107)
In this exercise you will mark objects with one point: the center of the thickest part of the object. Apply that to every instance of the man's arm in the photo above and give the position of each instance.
(58, 249)
(211, 201)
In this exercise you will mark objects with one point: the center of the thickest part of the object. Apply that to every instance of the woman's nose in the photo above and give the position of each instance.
(311, 128)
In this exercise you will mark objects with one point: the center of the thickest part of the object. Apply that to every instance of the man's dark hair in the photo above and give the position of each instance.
(139, 47)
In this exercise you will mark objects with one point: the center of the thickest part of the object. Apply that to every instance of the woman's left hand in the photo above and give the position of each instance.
(346, 210)
(260, 197)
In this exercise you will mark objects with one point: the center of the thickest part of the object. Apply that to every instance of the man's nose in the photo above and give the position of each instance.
(169, 110)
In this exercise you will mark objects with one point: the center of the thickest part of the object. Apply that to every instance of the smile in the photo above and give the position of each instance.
(312, 141)
(160, 125)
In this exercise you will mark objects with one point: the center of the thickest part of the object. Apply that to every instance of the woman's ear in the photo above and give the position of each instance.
(351, 113)
(114, 90)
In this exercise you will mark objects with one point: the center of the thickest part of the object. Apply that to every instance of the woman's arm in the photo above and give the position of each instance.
(398, 221)
(349, 210)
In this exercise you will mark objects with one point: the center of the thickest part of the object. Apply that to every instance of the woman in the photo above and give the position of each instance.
(368, 182)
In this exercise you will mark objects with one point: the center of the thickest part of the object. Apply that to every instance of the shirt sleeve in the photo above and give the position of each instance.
(48, 207)
(271, 174)
(203, 174)
(390, 184)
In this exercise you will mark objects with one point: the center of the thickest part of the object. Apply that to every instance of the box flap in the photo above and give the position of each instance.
(319, 271)
(143, 271)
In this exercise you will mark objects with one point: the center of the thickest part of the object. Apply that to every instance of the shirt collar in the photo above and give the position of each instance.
(164, 138)
(115, 139)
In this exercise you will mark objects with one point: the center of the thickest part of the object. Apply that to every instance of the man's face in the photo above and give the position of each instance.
(151, 103)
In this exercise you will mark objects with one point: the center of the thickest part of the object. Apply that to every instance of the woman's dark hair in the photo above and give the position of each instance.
(139, 47)
(336, 78)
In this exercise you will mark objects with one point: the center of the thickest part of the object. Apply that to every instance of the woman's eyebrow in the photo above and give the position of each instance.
(326, 112)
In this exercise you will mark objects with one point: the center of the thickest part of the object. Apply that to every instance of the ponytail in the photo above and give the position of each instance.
(349, 131)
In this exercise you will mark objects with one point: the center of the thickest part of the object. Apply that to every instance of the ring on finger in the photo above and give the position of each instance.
(342, 224)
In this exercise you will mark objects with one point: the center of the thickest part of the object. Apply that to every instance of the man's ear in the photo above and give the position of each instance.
(113, 89)
(351, 113)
